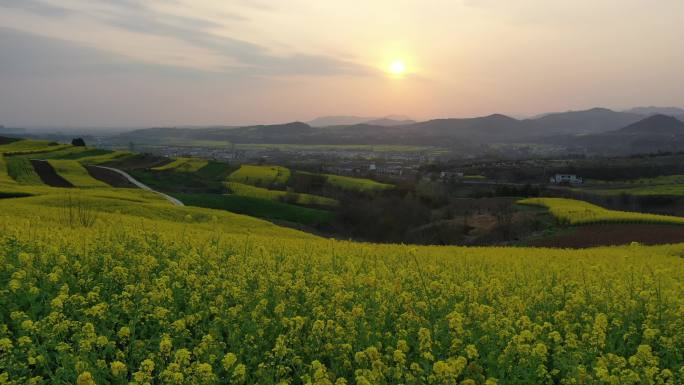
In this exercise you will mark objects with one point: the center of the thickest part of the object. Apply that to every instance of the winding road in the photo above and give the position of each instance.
(142, 185)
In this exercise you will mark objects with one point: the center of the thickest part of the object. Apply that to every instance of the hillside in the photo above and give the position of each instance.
(352, 130)
(655, 125)
(151, 291)
(652, 134)
(116, 285)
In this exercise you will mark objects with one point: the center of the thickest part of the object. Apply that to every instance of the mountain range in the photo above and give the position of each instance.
(596, 129)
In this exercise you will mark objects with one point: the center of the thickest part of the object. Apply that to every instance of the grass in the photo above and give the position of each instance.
(277, 195)
(260, 175)
(183, 165)
(261, 208)
(355, 184)
(75, 173)
(575, 212)
(22, 171)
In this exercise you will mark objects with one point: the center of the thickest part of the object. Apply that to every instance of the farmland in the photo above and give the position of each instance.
(355, 184)
(4, 176)
(183, 165)
(75, 173)
(21, 170)
(30, 146)
(257, 207)
(670, 185)
(162, 294)
(277, 195)
(260, 175)
(576, 212)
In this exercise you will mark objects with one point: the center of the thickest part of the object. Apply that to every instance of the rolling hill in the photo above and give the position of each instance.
(652, 134)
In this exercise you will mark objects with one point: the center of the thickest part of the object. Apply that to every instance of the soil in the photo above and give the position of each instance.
(5, 140)
(48, 174)
(611, 234)
(110, 177)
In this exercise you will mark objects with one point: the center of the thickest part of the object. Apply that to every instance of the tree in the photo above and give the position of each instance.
(78, 142)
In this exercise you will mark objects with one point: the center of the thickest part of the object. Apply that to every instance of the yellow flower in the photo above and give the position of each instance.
(229, 360)
(240, 373)
(85, 378)
(124, 333)
(118, 368)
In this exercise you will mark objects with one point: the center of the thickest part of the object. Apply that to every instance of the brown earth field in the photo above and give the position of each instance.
(110, 177)
(5, 140)
(611, 234)
(48, 174)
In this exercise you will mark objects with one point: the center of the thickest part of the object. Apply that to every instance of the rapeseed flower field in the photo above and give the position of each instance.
(576, 212)
(158, 294)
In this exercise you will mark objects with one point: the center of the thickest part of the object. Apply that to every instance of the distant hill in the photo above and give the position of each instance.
(594, 129)
(655, 124)
(671, 111)
(390, 120)
(595, 120)
(651, 134)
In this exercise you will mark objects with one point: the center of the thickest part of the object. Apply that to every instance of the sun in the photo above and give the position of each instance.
(397, 67)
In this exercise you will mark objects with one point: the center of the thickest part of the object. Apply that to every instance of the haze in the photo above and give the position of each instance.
(144, 63)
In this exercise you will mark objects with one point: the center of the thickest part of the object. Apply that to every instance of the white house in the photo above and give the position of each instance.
(566, 179)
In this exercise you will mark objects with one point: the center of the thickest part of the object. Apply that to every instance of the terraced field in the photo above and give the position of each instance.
(277, 195)
(30, 146)
(671, 185)
(183, 165)
(576, 212)
(4, 176)
(260, 175)
(257, 207)
(21, 170)
(75, 173)
(355, 184)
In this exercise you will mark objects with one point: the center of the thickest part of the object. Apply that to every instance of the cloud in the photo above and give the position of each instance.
(242, 57)
(35, 6)
(34, 56)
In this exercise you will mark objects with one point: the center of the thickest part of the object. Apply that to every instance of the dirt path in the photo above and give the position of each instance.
(142, 185)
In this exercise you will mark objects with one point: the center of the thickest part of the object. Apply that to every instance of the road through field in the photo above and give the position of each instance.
(142, 185)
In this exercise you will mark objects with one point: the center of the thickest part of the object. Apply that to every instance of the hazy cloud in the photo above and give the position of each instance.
(35, 6)
(251, 58)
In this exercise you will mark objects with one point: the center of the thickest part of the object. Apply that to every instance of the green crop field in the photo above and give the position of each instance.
(183, 165)
(29, 146)
(21, 170)
(152, 293)
(669, 185)
(355, 184)
(276, 195)
(260, 175)
(4, 176)
(577, 212)
(256, 207)
(75, 173)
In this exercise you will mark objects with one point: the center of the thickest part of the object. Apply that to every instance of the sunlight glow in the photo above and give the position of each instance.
(397, 67)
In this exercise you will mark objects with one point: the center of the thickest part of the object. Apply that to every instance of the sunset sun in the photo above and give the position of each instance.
(397, 67)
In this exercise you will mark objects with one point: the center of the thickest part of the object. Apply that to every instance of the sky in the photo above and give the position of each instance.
(132, 63)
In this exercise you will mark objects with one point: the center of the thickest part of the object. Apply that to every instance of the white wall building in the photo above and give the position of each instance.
(566, 179)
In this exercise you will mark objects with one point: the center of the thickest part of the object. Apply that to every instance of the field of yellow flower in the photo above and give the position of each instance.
(157, 294)
(576, 212)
